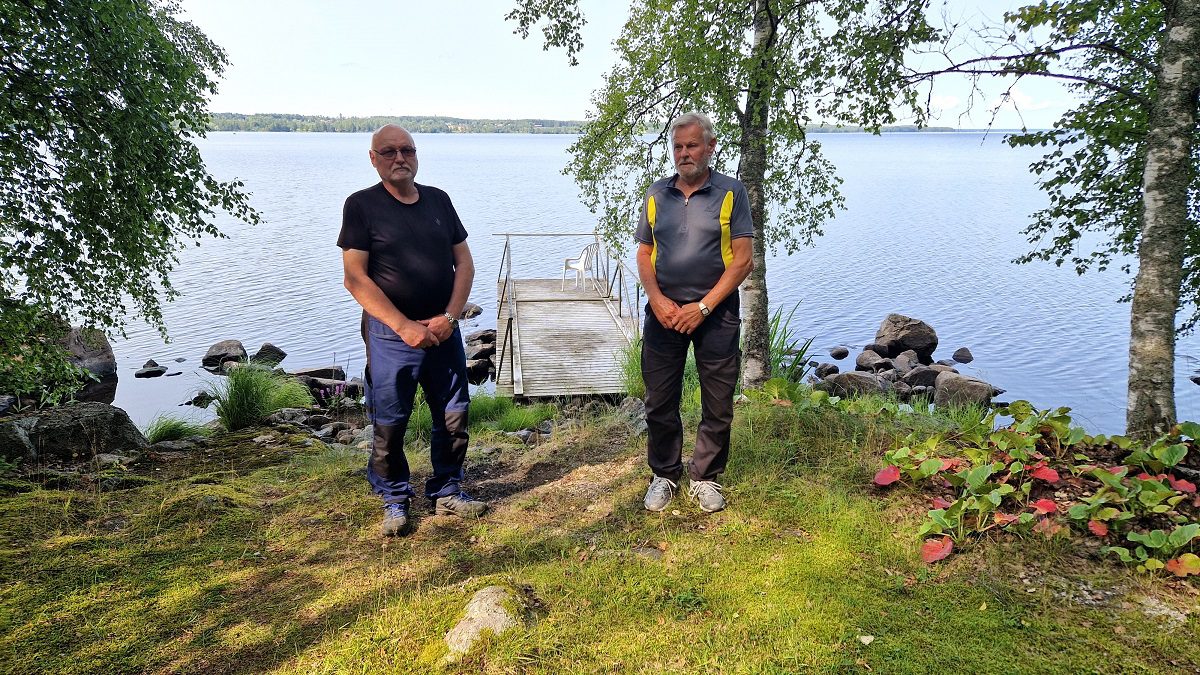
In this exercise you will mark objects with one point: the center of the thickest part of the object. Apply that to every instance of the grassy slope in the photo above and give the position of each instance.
(267, 559)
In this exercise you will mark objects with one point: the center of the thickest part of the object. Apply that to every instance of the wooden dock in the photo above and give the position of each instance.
(552, 341)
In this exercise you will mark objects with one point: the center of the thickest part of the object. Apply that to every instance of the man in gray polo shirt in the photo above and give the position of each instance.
(694, 246)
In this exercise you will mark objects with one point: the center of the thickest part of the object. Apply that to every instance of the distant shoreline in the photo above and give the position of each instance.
(288, 123)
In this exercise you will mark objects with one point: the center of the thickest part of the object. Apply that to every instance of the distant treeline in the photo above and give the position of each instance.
(425, 125)
(442, 125)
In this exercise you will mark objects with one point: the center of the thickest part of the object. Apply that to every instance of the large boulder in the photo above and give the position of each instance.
(486, 335)
(902, 333)
(481, 350)
(906, 361)
(956, 389)
(871, 361)
(268, 355)
(853, 383)
(921, 376)
(73, 432)
(89, 349)
(324, 388)
(478, 370)
(489, 611)
(824, 370)
(334, 372)
(225, 350)
(150, 369)
(470, 311)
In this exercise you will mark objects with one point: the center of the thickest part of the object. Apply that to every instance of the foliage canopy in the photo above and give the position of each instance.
(99, 105)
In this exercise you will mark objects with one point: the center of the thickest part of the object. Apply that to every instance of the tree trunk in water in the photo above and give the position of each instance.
(756, 365)
(1168, 173)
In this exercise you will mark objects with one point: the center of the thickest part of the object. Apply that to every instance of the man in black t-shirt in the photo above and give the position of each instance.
(406, 261)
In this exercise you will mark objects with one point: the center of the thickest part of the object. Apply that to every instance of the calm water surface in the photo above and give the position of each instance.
(932, 223)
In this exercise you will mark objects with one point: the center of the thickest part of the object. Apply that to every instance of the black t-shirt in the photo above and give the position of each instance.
(410, 246)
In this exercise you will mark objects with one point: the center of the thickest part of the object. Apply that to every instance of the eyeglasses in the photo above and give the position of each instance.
(408, 152)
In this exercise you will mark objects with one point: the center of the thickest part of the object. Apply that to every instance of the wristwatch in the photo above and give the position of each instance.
(450, 318)
(704, 310)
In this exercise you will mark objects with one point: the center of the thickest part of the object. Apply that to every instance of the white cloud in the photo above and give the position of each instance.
(941, 102)
(1023, 102)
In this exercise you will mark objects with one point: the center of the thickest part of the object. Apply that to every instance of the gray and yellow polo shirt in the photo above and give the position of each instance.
(693, 237)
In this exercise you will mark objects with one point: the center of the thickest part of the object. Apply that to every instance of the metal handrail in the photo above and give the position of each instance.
(617, 286)
(508, 291)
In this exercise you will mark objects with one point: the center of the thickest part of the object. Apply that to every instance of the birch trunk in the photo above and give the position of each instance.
(756, 367)
(1168, 173)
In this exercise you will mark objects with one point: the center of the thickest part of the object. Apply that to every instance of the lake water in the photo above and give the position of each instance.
(932, 223)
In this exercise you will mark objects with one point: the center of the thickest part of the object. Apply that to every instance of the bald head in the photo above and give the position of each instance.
(388, 129)
(394, 156)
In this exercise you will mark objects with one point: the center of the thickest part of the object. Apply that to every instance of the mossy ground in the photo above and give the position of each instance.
(266, 558)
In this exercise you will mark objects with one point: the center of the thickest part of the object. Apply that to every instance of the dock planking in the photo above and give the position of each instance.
(567, 341)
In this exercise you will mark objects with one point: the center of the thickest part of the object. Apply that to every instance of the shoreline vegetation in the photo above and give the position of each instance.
(283, 122)
(258, 550)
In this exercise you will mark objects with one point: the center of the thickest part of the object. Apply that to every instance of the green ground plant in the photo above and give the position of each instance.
(167, 428)
(248, 393)
(1042, 474)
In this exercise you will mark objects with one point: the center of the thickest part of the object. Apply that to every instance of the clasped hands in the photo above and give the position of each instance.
(426, 332)
(684, 319)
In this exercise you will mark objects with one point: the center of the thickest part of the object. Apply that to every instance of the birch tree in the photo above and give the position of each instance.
(1124, 162)
(762, 70)
(100, 103)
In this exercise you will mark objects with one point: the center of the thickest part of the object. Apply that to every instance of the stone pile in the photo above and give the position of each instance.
(326, 383)
(481, 356)
(900, 360)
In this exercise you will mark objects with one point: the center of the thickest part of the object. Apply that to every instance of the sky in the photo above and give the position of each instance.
(460, 58)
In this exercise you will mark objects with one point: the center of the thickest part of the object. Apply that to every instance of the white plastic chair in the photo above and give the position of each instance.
(581, 264)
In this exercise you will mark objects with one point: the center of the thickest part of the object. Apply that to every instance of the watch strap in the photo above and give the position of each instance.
(704, 310)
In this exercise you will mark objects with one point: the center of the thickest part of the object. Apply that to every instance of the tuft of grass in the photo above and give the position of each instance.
(486, 412)
(789, 355)
(249, 393)
(525, 416)
(167, 428)
(631, 369)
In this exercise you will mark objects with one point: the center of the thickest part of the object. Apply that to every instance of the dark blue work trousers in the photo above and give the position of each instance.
(394, 370)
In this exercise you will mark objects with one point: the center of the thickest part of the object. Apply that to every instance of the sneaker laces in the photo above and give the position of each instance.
(698, 486)
(398, 509)
(660, 485)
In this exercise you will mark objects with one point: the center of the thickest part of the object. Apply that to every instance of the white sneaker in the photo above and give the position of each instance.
(708, 494)
(659, 494)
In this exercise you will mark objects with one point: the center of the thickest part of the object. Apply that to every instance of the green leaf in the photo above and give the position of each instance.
(1180, 536)
(1079, 512)
(977, 476)
(1190, 429)
(929, 467)
(1077, 434)
(1120, 551)
(1172, 454)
